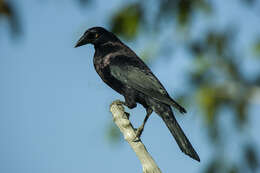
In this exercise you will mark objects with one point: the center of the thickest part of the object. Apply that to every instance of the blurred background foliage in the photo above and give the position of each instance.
(217, 77)
(9, 13)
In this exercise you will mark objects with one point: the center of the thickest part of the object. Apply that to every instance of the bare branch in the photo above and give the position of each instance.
(121, 119)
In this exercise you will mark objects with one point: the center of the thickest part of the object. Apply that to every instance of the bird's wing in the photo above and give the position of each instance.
(134, 73)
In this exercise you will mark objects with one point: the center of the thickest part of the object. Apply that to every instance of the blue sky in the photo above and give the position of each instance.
(55, 109)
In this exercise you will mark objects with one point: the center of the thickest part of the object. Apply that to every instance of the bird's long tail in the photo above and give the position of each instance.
(178, 134)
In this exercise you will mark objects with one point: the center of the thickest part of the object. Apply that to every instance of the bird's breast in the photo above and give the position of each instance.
(103, 70)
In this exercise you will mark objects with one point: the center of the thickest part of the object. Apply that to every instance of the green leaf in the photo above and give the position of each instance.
(126, 22)
(256, 48)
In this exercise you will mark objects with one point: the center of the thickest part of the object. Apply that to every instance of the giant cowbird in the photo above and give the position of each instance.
(121, 69)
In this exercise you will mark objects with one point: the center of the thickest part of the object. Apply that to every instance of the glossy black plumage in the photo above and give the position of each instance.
(121, 69)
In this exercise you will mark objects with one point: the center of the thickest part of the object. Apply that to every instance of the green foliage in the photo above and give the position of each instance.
(251, 158)
(126, 22)
(208, 100)
(184, 7)
(8, 11)
(183, 10)
(257, 48)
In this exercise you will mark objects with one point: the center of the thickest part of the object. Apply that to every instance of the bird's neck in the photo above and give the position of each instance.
(108, 47)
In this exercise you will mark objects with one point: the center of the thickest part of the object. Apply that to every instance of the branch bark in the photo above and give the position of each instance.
(121, 119)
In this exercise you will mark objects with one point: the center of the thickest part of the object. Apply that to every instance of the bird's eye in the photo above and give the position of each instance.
(92, 35)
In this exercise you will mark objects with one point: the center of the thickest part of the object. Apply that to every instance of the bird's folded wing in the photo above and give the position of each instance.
(138, 76)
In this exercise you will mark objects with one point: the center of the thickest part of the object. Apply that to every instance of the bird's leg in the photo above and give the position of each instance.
(139, 131)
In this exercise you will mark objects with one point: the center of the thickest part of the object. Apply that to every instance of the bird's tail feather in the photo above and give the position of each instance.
(179, 135)
(177, 106)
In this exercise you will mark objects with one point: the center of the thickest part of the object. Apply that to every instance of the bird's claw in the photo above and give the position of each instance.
(139, 132)
(127, 115)
(119, 102)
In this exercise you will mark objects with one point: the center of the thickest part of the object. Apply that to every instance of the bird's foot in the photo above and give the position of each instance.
(119, 102)
(127, 115)
(138, 133)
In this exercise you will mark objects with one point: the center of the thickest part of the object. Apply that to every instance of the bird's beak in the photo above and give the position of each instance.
(82, 41)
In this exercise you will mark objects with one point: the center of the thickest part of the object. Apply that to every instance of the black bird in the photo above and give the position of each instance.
(121, 69)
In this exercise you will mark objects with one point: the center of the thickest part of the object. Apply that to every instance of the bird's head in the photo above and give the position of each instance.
(95, 36)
